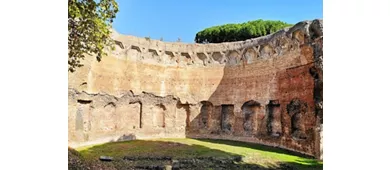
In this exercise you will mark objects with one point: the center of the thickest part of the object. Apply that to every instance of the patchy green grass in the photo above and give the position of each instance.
(251, 154)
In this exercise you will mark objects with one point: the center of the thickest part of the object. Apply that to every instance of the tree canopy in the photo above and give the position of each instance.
(239, 32)
(89, 25)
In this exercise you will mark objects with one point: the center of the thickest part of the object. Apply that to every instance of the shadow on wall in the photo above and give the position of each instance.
(274, 106)
(270, 93)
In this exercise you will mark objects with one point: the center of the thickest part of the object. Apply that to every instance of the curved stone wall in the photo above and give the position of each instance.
(265, 90)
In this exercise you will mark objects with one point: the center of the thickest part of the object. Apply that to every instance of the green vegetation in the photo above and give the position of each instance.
(89, 24)
(253, 155)
(239, 32)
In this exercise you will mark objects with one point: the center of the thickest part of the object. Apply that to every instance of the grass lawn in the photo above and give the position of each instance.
(252, 156)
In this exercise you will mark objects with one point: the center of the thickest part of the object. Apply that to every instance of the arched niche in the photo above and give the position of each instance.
(250, 55)
(233, 57)
(250, 111)
(159, 115)
(84, 118)
(135, 112)
(108, 118)
(205, 112)
(227, 118)
(218, 57)
(266, 51)
(274, 125)
(297, 109)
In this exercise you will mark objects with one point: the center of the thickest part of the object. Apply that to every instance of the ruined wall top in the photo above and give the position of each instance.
(216, 53)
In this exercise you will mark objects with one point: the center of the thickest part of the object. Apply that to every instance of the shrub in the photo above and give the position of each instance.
(239, 32)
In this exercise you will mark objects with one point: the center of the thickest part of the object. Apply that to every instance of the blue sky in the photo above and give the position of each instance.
(172, 19)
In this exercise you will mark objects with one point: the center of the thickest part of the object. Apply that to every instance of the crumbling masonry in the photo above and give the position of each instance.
(265, 90)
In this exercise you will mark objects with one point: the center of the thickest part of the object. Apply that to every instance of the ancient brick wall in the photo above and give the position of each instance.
(266, 90)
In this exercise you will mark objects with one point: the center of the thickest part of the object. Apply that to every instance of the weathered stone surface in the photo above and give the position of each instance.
(106, 158)
(265, 90)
